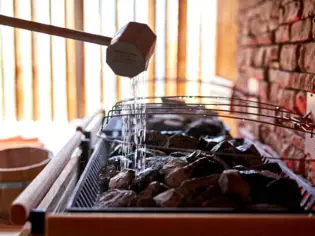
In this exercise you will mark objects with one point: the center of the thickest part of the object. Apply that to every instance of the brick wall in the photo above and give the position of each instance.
(276, 63)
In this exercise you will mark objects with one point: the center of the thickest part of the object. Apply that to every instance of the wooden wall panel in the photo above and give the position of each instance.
(226, 39)
(182, 46)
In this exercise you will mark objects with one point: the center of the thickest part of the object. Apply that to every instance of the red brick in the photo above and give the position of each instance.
(258, 73)
(307, 58)
(258, 27)
(258, 56)
(271, 54)
(275, 11)
(264, 39)
(308, 8)
(273, 91)
(273, 24)
(263, 90)
(301, 30)
(244, 57)
(288, 57)
(313, 29)
(247, 41)
(279, 96)
(309, 84)
(300, 101)
(290, 12)
(275, 65)
(283, 34)
(266, 10)
(287, 100)
(299, 82)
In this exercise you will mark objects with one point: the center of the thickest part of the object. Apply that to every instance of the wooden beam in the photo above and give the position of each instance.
(226, 35)
(182, 46)
(171, 47)
(151, 69)
(72, 106)
(23, 60)
(79, 55)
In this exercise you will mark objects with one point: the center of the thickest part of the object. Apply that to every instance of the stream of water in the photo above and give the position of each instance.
(134, 124)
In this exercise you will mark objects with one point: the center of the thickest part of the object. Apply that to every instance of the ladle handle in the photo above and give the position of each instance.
(54, 30)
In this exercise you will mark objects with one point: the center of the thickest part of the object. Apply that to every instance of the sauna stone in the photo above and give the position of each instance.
(156, 162)
(284, 192)
(169, 198)
(196, 186)
(145, 198)
(117, 198)
(232, 183)
(203, 167)
(258, 181)
(156, 138)
(182, 141)
(144, 178)
(172, 164)
(123, 180)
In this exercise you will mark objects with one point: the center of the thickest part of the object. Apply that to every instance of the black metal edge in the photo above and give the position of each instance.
(150, 210)
(83, 176)
(85, 146)
(37, 220)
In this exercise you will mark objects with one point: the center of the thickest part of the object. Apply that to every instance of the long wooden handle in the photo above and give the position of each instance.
(35, 192)
(54, 30)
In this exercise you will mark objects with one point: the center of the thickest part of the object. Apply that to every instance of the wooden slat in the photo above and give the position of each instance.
(22, 9)
(8, 52)
(59, 62)
(102, 97)
(118, 94)
(92, 63)
(179, 224)
(71, 58)
(108, 24)
(226, 35)
(192, 47)
(41, 63)
(151, 69)
(171, 47)
(182, 45)
(125, 15)
(2, 111)
(79, 67)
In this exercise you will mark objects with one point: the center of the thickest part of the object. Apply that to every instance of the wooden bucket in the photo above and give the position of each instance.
(18, 167)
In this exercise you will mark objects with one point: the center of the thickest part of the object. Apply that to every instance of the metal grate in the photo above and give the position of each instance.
(87, 189)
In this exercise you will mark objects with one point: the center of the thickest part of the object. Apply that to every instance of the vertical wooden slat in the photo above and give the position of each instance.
(2, 112)
(108, 24)
(102, 100)
(71, 58)
(125, 15)
(151, 69)
(192, 53)
(160, 49)
(23, 54)
(92, 57)
(8, 52)
(79, 47)
(118, 94)
(226, 35)
(36, 94)
(59, 62)
(41, 63)
(171, 47)
(182, 44)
